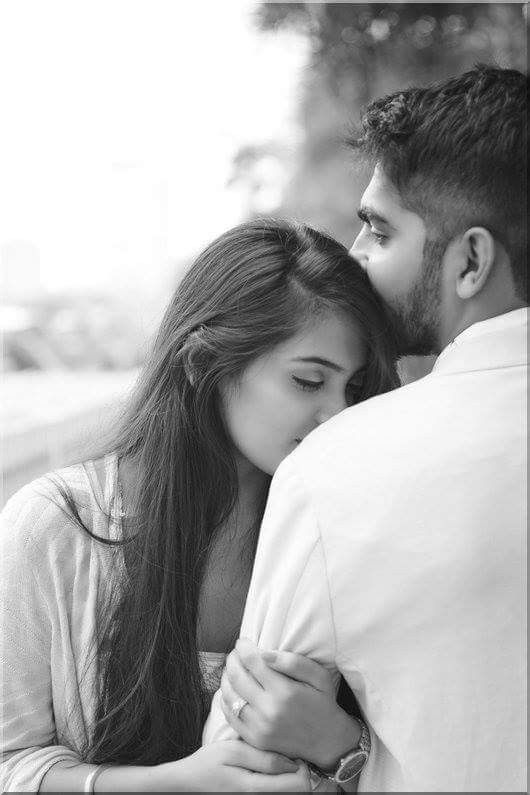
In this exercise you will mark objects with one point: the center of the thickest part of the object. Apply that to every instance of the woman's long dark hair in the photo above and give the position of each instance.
(250, 290)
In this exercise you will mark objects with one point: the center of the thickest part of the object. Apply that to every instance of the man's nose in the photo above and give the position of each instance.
(358, 253)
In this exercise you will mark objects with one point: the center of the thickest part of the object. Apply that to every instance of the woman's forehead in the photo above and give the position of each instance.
(331, 336)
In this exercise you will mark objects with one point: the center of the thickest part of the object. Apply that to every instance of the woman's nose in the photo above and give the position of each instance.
(327, 411)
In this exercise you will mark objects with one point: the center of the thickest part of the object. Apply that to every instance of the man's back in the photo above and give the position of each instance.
(437, 526)
(393, 550)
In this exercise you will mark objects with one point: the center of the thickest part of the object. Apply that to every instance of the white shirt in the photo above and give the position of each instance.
(393, 551)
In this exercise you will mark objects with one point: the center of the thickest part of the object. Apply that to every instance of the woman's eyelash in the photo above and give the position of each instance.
(310, 386)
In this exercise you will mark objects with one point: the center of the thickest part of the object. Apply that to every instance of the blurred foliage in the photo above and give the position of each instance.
(359, 51)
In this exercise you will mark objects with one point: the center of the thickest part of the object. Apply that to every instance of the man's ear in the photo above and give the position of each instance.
(477, 257)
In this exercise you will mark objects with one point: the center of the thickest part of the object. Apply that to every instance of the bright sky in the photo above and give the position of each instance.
(119, 122)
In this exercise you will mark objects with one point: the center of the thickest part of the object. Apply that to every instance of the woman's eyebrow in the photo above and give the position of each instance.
(319, 360)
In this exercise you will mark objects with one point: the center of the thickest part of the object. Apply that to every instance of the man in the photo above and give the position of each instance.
(401, 522)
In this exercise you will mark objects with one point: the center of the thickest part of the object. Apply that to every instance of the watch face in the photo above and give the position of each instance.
(351, 767)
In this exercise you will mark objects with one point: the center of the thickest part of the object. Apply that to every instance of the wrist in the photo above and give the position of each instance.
(166, 777)
(136, 778)
(344, 736)
(178, 776)
(158, 779)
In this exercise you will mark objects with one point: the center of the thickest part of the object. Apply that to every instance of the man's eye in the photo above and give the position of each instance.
(379, 236)
(309, 386)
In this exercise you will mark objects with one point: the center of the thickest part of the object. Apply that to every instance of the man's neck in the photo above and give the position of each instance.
(479, 314)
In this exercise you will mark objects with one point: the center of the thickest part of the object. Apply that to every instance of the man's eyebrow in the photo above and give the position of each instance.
(319, 360)
(368, 214)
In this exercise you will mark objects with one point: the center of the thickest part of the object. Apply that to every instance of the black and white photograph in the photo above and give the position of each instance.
(264, 389)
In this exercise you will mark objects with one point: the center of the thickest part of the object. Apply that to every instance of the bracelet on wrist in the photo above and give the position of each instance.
(92, 776)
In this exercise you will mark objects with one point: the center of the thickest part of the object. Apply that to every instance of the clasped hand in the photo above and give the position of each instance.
(290, 705)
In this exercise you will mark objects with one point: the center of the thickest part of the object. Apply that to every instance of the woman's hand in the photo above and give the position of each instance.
(231, 766)
(290, 705)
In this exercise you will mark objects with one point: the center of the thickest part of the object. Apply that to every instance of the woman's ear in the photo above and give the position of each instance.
(477, 250)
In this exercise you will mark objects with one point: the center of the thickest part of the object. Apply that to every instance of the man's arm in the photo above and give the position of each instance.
(288, 605)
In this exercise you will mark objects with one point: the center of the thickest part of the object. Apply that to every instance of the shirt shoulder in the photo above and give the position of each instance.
(377, 422)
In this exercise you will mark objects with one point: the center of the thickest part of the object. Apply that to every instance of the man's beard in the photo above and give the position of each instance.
(416, 318)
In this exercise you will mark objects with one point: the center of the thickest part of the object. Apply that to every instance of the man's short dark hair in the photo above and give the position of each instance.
(456, 152)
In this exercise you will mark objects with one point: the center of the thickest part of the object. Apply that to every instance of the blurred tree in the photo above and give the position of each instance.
(261, 171)
(359, 51)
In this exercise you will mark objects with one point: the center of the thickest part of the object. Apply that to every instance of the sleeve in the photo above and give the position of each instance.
(288, 605)
(27, 736)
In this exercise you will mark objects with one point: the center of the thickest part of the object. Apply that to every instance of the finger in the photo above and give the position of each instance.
(244, 730)
(229, 695)
(250, 657)
(246, 713)
(287, 782)
(250, 758)
(242, 680)
(300, 668)
(235, 723)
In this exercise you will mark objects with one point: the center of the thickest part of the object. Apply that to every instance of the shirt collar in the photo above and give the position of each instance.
(510, 327)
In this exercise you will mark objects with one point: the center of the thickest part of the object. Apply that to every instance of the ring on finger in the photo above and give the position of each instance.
(237, 706)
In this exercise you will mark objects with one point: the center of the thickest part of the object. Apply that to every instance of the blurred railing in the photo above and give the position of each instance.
(51, 419)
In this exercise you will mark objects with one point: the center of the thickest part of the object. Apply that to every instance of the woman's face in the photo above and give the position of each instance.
(283, 395)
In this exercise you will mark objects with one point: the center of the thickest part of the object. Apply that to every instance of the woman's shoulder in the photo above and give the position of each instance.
(42, 513)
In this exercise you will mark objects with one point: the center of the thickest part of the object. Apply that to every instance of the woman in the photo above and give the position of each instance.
(117, 628)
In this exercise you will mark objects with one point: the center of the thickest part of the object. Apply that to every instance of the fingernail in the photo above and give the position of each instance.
(268, 656)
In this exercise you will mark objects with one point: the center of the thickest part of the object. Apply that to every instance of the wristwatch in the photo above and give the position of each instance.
(349, 765)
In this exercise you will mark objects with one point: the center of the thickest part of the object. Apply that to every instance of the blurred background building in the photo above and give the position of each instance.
(134, 133)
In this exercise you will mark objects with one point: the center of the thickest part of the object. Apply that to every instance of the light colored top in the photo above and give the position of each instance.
(52, 579)
(402, 529)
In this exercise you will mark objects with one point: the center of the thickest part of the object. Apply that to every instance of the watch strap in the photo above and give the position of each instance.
(350, 765)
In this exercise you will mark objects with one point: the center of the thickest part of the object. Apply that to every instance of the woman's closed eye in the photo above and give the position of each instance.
(307, 384)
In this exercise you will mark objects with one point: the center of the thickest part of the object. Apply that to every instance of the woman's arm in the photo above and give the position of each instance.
(28, 733)
(32, 584)
(229, 766)
(68, 777)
